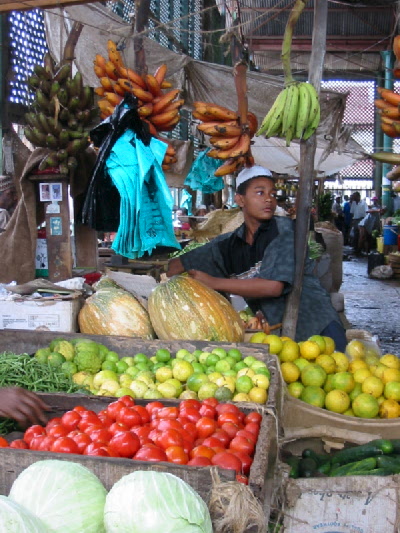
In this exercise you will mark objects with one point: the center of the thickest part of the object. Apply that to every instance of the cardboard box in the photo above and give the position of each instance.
(45, 314)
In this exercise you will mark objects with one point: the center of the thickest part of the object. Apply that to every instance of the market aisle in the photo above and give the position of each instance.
(371, 304)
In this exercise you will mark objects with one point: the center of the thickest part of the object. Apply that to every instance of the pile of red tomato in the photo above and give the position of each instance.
(192, 433)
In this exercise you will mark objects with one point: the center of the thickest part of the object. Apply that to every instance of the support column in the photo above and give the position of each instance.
(388, 60)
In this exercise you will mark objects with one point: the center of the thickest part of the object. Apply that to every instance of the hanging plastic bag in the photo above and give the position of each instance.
(186, 201)
(201, 175)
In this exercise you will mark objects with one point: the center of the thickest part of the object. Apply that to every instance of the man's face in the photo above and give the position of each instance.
(259, 201)
(8, 198)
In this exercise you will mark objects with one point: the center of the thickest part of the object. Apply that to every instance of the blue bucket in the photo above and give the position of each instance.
(390, 234)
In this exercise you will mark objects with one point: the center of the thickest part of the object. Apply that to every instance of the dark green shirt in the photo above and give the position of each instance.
(271, 256)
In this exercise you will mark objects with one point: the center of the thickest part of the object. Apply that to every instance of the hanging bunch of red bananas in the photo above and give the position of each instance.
(230, 139)
(159, 109)
(388, 106)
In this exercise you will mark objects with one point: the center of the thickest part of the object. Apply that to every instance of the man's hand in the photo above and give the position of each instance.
(23, 406)
(208, 280)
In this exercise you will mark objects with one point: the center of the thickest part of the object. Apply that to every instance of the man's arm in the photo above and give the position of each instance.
(23, 406)
(175, 267)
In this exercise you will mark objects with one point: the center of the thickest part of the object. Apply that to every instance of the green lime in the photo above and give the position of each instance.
(142, 366)
(128, 360)
(229, 372)
(177, 384)
(190, 358)
(42, 355)
(207, 391)
(230, 360)
(140, 358)
(203, 357)
(220, 352)
(163, 355)
(222, 365)
(69, 368)
(121, 367)
(163, 373)
(195, 381)
(212, 359)
(124, 391)
(157, 366)
(55, 359)
(236, 354)
(239, 365)
(223, 394)
(210, 369)
(197, 353)
(132, 371)
(244, 384)
(109, 365)
(249, 360)
(262, 370)
(198, 367)
(112, 356)
(182, 353)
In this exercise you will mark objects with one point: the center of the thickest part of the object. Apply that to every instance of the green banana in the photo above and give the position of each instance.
(62, 73)
(63, 138)
(74, 147)
(55, 126)
(63, 96)
(49, 63)
(386, 157)
(62, 154)
(69, 87)
(73, 103)
(52, 141)
(77, 85)
(290, 112)
(73, 124)
(44, 125)
(50, 160)
(86, 97)
(303, 111)
(55, 87)
(30, 136)
(40, 137)
(274, 116)
(33, 81)
(64, 115)
(41, 72)
(314, 102)
(41, 100)
(75, 134)
(30, 119)
(312, 127)
(45, 86)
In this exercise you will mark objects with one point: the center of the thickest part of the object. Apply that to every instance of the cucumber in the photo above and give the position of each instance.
(357, 453)
(396, 445)
(325, 468)
(357, 466)
(293, 462)
(375, 472)
(307, 467)
(385, 461)
(320, 459)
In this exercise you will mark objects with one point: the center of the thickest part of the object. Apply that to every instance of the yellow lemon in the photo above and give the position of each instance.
(372, 360)
(290, 351)
(327, 362)
(319, 340)
(260, 381)
(329, 345)
(301, 363)
(283, 339)
(349, 412)
(379, 370)
(214, 376)
(337, 401)
(309, 350)
(258, 337)
(390, 360)
(391, 374)
(365, 406)
(295, 389)
(313, 375)
(341, 360)
(392, 391)
(389, 409)
(355, 349)
(380, 400)
(290, 372)
(258, 395)
(246, 372)
(356, 391)
(372, 385)
(241, 397)
(328, 383)
(274, 342)
(357, 364)
(361, 374)
(343, 381)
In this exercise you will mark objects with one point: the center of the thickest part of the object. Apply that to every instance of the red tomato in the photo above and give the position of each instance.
(227, 408)
(81, 439)
(187, 446)
(228, 417)
(241, 444)
(252, 427)
(200, 461)
(128, 401)
(142, 432)
(247, 435)
(191, 402)
(167, 423)
(202, 451)
(177, 455)
(187, 425)
(3, 443)
(114, 408)
(212, 442)
(168, 412)
(110, 451)
(19, 443)
(88, 413)
(106, 420)
(95, 448)
(71, 419)
(190, 413)
(211, 401)
(58, 431)
(36, 442)
(125, 444)
(253, 417)
(33, 431)
(246, 461)
(227, 460)
(190, 437)
(53, 422)
(129, 417)
(153, 407)
(242, 479)
(208, 410)
(230, 428)
(223, 436)
(144, 414)
(99, 434)
(79, 408)
(150, 452)
(168, 438)
(103, 412)
(205, 427)
(117, 427)
(64, 445)
(46, 444)
(89, 420)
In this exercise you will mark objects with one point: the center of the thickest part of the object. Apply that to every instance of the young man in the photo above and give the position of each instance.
(257, 262)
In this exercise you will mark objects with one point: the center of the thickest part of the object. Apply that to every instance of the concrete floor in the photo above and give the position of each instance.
(371, 304)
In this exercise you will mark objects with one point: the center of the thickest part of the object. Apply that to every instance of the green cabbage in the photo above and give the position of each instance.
(155, 502)
(15, 519)
(66, 496)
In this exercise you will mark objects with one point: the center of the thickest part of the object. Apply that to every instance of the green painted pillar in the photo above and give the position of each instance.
(388, 61)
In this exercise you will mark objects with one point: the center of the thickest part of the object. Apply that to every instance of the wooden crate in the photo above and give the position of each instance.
(21, 341)
(110, 470)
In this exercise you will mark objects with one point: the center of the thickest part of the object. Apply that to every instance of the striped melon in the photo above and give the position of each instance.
(183, 308)
(115, 312)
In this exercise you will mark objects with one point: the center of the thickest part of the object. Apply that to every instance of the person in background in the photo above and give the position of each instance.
(201, 211)
(181, 212)
(23, 406)
(8, 200)
(347, 217)
(396, 202)
(371, 222)
(358, 210)
(257, 262)
(337, 212)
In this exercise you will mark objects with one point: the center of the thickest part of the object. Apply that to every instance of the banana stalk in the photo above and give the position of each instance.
(287, 39)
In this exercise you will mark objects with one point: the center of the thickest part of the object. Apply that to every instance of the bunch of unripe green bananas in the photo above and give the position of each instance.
(61, 115)
(295, 114)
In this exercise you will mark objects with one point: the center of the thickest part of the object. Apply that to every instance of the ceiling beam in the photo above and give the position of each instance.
(361, 43)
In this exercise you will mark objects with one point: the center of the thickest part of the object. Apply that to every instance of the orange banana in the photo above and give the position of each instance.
(111, 71)
(224, 143)
(164, 118)
(99, 91)
(230, 166)
(252, 122)
(152, 85)
(100, 61)
(99, 71)
(390, 96)
(169, 126)
(164, 101)
(216, 111)
(389, 120)
(210, 128)
(228, 130)
(145, 110)
(131, 75)
(170, 148)
(165, 167)
(174, 105)
(201, 117)
(114, 55)
(391, 112)
(143, 95)
(152, 128)
(166, 85)
(119, 90)
(390, 131)
(105, 105)
(107, 83)
(160, 73)
(113, 98)
(170, 160)
(128, 85)
(240, 149)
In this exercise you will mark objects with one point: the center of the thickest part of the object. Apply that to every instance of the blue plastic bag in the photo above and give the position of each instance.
(201, 175)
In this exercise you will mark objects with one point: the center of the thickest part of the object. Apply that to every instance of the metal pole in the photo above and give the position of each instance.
(388, 58)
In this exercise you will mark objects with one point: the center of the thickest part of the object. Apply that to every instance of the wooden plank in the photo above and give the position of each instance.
(86, 247)
(17, 5)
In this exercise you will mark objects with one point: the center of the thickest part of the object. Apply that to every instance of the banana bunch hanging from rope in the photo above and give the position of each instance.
(159, 109)
(61, 114)
(388, 106)
(230, 140)
(295, 114)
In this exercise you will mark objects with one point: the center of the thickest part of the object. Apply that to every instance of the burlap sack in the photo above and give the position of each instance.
(333, 239)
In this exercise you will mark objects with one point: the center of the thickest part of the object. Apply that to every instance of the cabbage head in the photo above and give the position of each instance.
(15, 519)
(155, 502)
(66, 496)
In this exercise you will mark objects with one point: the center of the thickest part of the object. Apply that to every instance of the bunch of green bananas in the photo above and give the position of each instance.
(295, 114)
(61, 116)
